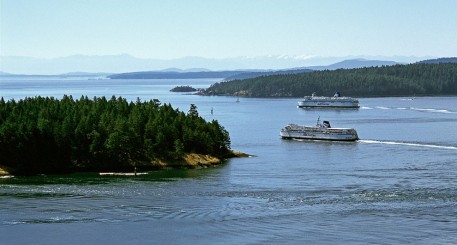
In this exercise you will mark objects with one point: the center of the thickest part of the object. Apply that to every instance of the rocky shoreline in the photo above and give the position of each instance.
(189, 161)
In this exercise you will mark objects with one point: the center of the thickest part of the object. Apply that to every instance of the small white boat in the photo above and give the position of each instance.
(121, 174)
(336, 101)
(322, 131)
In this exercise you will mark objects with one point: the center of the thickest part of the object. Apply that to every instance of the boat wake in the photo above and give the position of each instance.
(432, 110)
(410, 108)
(408, 144)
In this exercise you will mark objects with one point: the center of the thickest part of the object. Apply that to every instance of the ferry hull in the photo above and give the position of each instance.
(320, 137)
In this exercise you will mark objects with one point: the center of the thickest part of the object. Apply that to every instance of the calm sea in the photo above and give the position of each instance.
(395, 186)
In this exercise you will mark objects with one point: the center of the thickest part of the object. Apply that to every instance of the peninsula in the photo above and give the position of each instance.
(420, 79)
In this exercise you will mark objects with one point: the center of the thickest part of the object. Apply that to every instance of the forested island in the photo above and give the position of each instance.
(183, 89)
(51, 136)
(418, 79)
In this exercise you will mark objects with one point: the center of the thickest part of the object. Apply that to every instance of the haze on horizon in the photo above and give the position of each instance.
(167, 30)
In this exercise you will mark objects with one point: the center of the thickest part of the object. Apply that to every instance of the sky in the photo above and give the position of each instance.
(170, 29)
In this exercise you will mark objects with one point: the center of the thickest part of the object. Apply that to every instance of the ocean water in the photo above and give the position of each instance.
(394, 186)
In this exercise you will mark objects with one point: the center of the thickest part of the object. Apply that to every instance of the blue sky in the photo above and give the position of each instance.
(227, 28)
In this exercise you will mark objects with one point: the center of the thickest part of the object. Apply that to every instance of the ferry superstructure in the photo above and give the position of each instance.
(336, 101)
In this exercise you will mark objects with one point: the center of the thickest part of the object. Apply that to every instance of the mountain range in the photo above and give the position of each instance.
(345, 64)
(127, 63)
(192, 73)
(243, 74)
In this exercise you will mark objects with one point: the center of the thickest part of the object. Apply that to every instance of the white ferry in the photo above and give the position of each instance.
(321, 101)
(320, 132)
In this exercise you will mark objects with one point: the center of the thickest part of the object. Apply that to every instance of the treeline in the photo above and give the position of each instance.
(439, 60)
(397, 80)
(265, 73)
(46, 135)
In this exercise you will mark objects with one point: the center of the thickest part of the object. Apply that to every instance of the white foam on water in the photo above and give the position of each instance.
(408, 144)
(121, 174)
(6, 176)
(432, 110)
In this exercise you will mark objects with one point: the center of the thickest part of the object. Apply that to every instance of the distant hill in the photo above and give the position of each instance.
(354, 63)
(127, 63)
(184, 70)
(64, 75)
(265, 73)
(175, 75)
(397, 80)
(84, 74)
(227, 75)
(440, 60)
(345, 64)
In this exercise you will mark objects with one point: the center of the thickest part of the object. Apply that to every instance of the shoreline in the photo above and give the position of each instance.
(189, 161)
